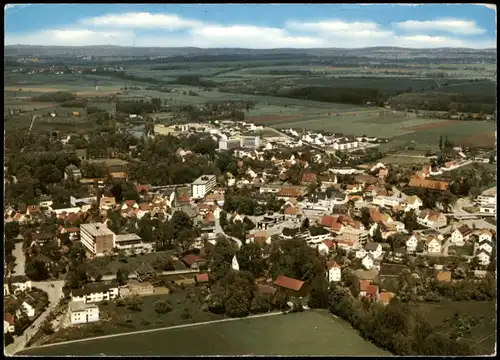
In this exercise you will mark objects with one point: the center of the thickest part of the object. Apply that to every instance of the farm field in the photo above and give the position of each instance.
(475, 88)
(482, 335)
(307, 333)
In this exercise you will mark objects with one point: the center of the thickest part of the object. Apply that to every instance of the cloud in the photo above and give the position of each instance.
(454, 26)
(142, 20)
(338, 29)
(170, 30)
(71, 37)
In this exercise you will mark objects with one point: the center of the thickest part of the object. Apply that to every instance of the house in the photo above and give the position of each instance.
(460, 235)
(372, 292)
(292, 213)
(136, 288)
(355, 188)
(28, 307)
(412, 243)
(20, 283)
(385, 297)
(363, 286)
(412, 203)
(432, 245)
(375, 249)
(107, 203)
(443, 276)
(260, 238)
(485, 245)
(368, 261)
(485, 235)
(82, 313)
(309, 178)
(291, 287)
(193, 261)
(484, 257)
(8, 323)
(431, 219)
(347, 245)
(95, 292)
(333, 272)
(201, 278)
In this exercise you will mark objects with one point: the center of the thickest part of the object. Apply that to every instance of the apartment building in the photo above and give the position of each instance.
(95, 292)
(203, 185)
(131, 243)
(250, 142)
(228, 144)
(97, 238)
(82, 313)
(487, 201)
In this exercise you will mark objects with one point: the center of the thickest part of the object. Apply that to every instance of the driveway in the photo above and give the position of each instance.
(20, 259)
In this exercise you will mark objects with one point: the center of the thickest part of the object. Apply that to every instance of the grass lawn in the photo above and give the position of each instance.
(466, 250)
(482, 336)
(308, 333)
(116, 319)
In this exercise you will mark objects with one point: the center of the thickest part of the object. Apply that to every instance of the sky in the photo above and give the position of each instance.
(262, 26)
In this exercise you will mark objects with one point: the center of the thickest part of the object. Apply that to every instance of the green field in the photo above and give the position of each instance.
(476, 88)
(308, 333)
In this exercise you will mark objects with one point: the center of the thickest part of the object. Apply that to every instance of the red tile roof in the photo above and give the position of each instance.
(288, 283)
(332, 264)
(290, 210)
(201, 278)
(336, 226)
(329, 243)
(372, 290)
(266, 289)
(9, 318)
(328, 220)
(309, 178)
(363, 284)
(191, 259)
(429, 184)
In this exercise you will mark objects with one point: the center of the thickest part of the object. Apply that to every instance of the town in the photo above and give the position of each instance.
(265, 179)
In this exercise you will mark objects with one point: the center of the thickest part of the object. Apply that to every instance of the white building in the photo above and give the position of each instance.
(368, 261)
(20, 283)
(82, 313)
(95, 292)
(411, 244)
(227, 144)
(28, 309)
(487, 201)
(252, 141)
(387, 201)
(203, 185)
(460, 235)
(132, 243)
(333, 273)
(97, 238)
(412, 203)
(484, 257)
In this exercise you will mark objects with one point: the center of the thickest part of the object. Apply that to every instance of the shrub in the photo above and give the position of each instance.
(162, 306)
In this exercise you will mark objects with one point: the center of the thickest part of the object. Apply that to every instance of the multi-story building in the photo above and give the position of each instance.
(71, 171)
(97, 238)
(202, 185)
(488, 201)
(131, 243)
(95, 292)
(82, 313)
(227, 144)
(250, 141)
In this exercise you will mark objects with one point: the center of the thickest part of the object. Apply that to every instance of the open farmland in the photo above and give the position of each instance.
(478, 133)
(474, 88)
(307, 333)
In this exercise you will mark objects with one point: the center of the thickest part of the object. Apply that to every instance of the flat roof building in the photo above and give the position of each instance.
(97, 238)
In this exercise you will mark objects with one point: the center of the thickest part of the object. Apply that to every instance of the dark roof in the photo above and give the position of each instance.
(19, 279)
(266, 289)
(371, 246)
(93, 288)
(288, 283)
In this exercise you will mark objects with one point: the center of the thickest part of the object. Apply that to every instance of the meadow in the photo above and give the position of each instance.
(308, 333)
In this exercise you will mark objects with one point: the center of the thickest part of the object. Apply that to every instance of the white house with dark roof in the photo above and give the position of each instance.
(368, 261)
(460, 235)
(484, 257)
(412, 243)
(334, 273)
(82, 313)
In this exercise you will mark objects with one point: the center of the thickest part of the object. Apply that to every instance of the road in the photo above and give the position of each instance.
(18, 253)
(55, 294)
(162, 329)
(219, 230)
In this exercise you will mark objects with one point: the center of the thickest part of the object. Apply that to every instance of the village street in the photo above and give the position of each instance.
(20, 259)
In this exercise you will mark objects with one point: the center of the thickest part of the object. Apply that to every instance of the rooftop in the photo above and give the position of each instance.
(76, 306)
(96, 229)
(202, 180)
(127, 237)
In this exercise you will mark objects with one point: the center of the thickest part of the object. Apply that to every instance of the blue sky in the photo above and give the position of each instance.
(252, 26)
